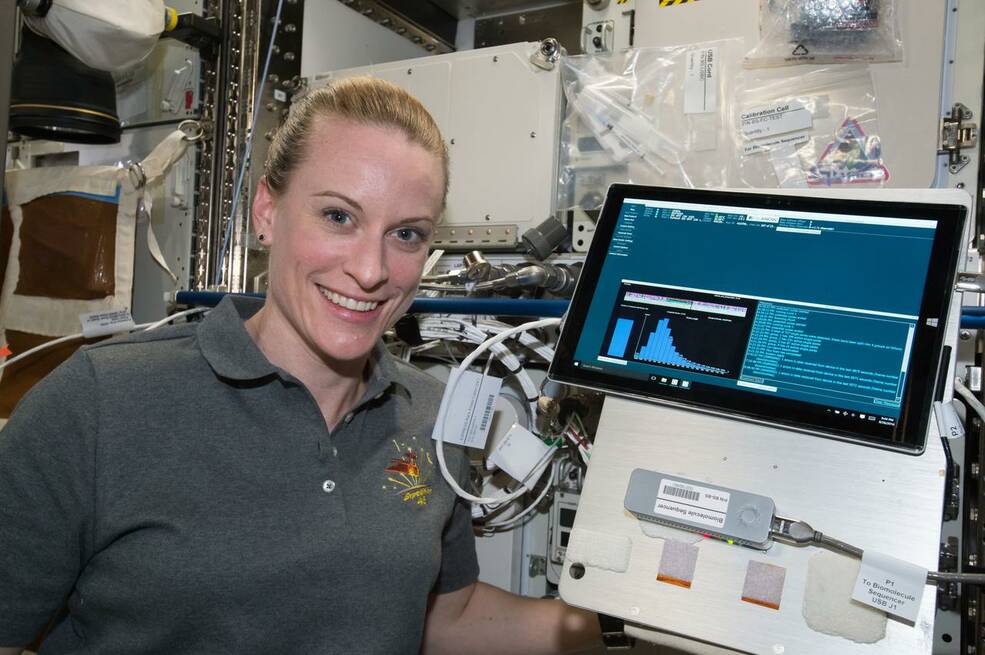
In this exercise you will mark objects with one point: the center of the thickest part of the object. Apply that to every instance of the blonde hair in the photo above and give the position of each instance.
(367, 100)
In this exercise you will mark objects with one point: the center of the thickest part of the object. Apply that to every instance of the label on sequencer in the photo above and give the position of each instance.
(680, 500)
(772, 119)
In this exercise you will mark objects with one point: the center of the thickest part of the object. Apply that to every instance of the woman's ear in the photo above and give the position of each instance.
(264, 212)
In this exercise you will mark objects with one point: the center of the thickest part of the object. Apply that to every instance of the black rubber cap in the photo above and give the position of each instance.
(55, 96)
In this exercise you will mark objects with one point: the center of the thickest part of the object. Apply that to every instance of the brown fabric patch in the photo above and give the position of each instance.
(20, 376)
(68, 248)
(6, 238)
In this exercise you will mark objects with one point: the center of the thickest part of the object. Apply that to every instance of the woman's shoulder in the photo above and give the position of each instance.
(414, 378)
(139, 353)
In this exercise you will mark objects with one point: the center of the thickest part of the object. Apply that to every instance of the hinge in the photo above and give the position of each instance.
(956, 135)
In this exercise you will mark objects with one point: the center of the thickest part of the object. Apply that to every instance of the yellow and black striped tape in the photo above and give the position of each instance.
(671, 3)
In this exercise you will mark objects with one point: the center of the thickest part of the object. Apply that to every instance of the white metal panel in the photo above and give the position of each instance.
(875, 499)
(337, 37)
(908, 92)
(500, 115)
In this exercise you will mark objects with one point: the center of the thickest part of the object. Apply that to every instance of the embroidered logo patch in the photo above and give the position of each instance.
(410, 473)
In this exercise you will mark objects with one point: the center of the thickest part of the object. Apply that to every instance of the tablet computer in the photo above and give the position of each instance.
(821, 314)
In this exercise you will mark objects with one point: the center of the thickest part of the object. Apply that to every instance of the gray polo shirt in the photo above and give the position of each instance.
(183, 495)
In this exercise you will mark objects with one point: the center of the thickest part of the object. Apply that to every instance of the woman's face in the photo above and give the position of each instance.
(349, 236)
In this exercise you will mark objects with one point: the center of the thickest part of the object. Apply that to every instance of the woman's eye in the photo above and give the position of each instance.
(337, 216)
(410, 235)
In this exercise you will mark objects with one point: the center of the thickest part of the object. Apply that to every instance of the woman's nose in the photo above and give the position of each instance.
(366, 263)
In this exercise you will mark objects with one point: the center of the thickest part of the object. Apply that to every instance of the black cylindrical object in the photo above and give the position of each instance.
(541, 241)
(55, 96)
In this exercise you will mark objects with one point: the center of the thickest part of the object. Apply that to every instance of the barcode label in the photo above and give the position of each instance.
(487, 414)
(682, 493)
(694, 495)
(465, 415)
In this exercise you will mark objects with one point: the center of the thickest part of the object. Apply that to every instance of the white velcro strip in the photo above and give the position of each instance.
(599, 550)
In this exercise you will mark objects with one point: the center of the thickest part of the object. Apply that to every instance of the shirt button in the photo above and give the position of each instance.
(328, 486)
(335, 451)
(348, 418)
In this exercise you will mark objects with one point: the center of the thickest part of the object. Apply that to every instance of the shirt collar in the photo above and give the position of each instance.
(231, 352)
(227, 346)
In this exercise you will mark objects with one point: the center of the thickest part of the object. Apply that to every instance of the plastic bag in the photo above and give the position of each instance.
(826, 32)
(646, 116)
(816, 129)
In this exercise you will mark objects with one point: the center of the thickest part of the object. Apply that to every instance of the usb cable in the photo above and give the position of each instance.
(800, 533)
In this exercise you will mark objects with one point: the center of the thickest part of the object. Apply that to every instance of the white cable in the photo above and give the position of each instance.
(513, 520)
(969, 397)
(46, 344)
(450, 390)
(175, 316)
(444, 330)
(80, 335)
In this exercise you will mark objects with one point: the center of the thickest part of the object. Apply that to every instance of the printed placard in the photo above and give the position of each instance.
(100, 324)
(773, 119)
(701, 81)
(891, 585)
(466, 415)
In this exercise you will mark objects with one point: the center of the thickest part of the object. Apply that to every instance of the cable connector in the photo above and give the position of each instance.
(798, 533)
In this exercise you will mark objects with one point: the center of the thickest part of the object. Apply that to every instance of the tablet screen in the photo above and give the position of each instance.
(817, 313)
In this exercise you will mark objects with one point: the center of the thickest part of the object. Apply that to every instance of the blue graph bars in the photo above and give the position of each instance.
(620, 337)
(660, 348)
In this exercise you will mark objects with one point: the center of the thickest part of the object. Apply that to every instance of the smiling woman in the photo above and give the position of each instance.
(354, 184)
(298, 510)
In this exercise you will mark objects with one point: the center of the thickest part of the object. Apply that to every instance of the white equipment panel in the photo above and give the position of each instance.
(499, 112)
(908, 119)
(874, 499)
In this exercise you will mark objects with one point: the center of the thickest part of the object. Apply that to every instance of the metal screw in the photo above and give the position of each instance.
(533, 135)
(960, 185)
(965, 335)
(288, 56)
(410, 71)
(495, 59)
(452, 141)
